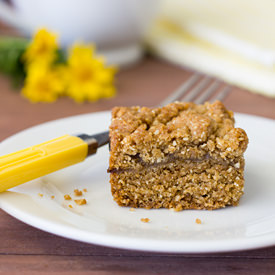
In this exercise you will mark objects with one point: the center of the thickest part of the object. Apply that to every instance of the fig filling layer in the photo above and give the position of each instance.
(171, 158)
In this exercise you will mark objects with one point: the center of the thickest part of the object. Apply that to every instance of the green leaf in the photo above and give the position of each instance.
(11, 50)
(61, 56)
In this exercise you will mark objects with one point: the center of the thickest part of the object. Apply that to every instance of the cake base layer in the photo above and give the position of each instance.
(179, 185)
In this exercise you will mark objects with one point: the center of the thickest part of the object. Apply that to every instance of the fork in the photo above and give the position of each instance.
(198, 89)
(45, 158)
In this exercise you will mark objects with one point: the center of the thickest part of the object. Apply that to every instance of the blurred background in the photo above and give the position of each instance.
(155, 45)
(232, 40)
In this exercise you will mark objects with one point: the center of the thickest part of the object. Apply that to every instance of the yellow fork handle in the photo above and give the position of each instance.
(39, 160)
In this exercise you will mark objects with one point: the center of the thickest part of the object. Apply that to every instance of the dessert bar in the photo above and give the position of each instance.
(180, 156)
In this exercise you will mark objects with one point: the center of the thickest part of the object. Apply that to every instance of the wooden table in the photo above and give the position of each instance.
(29, 250)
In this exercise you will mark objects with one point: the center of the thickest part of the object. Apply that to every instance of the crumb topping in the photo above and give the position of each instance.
(179, 129)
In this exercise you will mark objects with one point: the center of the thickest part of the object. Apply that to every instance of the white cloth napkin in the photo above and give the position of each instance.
(232, 40)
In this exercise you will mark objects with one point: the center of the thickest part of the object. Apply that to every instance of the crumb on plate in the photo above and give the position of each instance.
(85, 190)
(77, 192)
(145, 220)
(40, 195)
(52, 197)
(198, 221)
(80, 201)
(67, 197)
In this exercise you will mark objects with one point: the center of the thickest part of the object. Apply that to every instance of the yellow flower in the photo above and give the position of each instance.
(43, 83)
(83, 77)
(88, 77)
(43, 48)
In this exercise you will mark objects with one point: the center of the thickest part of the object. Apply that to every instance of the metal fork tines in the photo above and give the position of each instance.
(198, 89)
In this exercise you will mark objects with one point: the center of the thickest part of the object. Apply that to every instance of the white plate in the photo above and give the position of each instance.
(101, 221)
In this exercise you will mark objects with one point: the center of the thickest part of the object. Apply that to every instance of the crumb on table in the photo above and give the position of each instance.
(80, 201)
(198, 221)
(77, 192)
(145, 220)
(67, 197)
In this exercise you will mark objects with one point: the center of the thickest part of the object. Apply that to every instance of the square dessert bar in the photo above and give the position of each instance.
(181, 156)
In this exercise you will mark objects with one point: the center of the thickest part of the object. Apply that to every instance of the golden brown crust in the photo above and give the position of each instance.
(157, 132)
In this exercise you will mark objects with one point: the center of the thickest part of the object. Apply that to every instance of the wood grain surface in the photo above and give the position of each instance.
(27, 250)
